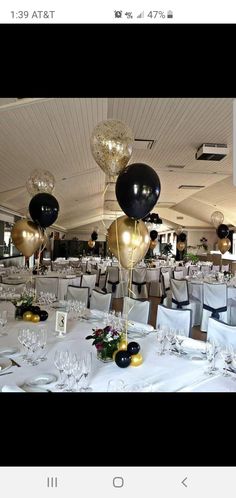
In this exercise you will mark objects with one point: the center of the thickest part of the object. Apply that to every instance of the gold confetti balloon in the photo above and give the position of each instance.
(136, 360)
(128, 240)
(111, 146)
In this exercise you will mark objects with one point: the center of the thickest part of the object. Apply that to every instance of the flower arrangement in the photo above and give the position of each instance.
(204, 244)
(106, 341)
(26, 299)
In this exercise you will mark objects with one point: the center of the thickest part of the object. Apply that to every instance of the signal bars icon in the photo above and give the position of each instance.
(140, 16)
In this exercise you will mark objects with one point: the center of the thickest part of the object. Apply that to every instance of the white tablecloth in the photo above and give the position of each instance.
(166, 373)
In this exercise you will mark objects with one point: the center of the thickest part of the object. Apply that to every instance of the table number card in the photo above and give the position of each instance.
(61, 322)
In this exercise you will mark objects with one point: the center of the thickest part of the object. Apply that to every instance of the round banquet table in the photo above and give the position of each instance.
(167, 373)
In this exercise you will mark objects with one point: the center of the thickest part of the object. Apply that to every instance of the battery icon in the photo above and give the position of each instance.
(169, 14)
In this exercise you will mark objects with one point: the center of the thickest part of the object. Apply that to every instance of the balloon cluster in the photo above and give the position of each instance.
(128, 354)
(153, 218)
(29, 236)
(35, 314)
(137, 190)
(224, 243)
(181, 244)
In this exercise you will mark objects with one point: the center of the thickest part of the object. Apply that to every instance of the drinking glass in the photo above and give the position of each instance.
(161, 337)
(3, 321)
(227, 355)
(211, 351)
(115, 385)
(34, 345)
(60, 358)
(86, 369)
(180, 337)
(69, 366)
(43, 343)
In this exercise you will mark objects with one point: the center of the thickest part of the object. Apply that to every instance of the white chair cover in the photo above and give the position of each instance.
(153, 282)
(178, 274)
(46, 284)
(100, 301)
(139, 283)
(78, 294)
(214, 298)
(89, 281)
(192, 269)
(221, 332)
(181, 299)
(215, 268)
(9, 307)
(225, 268)
(176, 319)
(136, 310)
(114, 284)
(166, 294)
(205, 269)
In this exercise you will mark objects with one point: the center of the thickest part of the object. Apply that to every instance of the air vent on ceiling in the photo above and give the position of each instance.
(191, 186)
(179, 217)
(175, 166)
(211, 152)
(140, 143)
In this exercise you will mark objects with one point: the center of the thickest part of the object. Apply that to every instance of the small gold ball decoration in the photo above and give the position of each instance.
(136, 360)
(27, 316)
(35, 318)
(114, 354)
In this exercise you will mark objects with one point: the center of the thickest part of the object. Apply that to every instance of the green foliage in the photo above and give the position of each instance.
(192, 257)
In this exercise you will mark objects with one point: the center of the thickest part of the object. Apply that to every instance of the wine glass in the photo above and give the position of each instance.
(3, 321)
(43, 343)
(227, 354)
(115, 385)
(59, 362)
(180, 337)
(86, 369)
(161, 336)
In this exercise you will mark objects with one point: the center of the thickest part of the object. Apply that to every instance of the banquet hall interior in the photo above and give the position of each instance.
(117, 245)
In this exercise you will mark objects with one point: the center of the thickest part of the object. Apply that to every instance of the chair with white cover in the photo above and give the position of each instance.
(205, 269)
(178, 274)
(75, 293)
(100, 301)
(182, 300)
(135, 310)
(139, 283)
(114, 283)
(153, 282)
(216, 268)
(192, 269)
(214, 303)
(224, 268)
(9, 307)
(89, 281)
(46, 284)
(221, 332)
(166, 295)
(101, 278)
(178, 319)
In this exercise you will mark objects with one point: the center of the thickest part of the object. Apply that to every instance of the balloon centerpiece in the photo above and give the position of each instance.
(40, 181)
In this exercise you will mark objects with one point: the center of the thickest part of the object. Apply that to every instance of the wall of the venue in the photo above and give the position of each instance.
(84, 236)
(194, 236)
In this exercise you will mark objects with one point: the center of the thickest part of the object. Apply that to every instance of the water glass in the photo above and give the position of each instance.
(3, 321)
(86, 369)
(115, 385)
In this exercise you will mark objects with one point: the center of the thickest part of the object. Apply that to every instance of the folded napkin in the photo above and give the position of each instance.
(12, 389)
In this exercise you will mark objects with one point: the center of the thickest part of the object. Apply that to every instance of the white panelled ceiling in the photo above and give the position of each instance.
(54, 134)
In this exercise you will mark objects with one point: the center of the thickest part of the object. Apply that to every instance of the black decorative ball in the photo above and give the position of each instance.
(133, 348)
(222, 231)
(43, 315)
(182, 237)
(35, 309)
(122, 359)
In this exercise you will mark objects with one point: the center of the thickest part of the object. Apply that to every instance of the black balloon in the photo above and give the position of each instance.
(153, 235)
(138, 189)
(94, 236)
(35, 309)
(43, 315)
(133, 348)
(182, 237)
(122, 359)
(44, 209)
(222, 231)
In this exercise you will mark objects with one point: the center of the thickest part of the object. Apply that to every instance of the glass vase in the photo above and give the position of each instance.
(105, 359)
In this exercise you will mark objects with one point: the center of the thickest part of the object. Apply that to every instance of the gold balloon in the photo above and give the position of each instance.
(123, 345)
(153, 244)
(111, 146)
(224, 245)
(27, 316)
(35, 318)
(91, 243)
(136, 360)
(26, 236)
(128, 240)
(181, 246)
